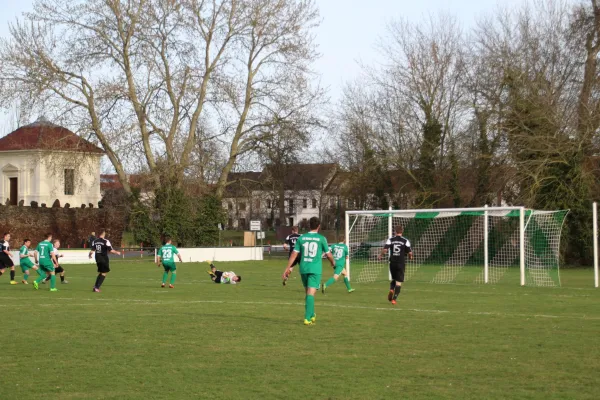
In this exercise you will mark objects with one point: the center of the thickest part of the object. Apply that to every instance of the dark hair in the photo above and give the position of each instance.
(239, 278)
(314, 223)
(167, 239)
(294, 229)
(26, 240)
(399, 229)
(48, 235)
(6, 233)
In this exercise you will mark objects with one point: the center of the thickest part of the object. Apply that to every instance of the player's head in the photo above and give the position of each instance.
(56, 243)
(48, 236)
(168, 239)
(27, 242)
(237, 278)
(102, 233)
(93, 233)
(295, 229)
(7, 236)
(399, 230)
(314, 223)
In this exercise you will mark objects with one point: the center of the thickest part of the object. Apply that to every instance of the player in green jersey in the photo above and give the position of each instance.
(46, 259)
(26, 263)
(310, 247)
(339, 251)
(166, 256)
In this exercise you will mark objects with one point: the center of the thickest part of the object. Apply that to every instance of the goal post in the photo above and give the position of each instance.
(461, 245)
(595, 238)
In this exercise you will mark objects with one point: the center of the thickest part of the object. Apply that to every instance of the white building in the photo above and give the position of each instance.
(44, 162)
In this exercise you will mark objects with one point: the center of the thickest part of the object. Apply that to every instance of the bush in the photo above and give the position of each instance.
(56, 204)
(43, 205)
(34, 204)
(83, 206)
(67, 205)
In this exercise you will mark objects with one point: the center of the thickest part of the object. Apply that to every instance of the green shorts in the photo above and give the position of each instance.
(312, 281)
(169, 266)
(26, 265)
(337, 270)
(47, 267)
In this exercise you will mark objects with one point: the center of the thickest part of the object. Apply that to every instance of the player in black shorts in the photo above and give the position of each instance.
(399, 247)
(101, 247)
(290, 243)
(5, 259)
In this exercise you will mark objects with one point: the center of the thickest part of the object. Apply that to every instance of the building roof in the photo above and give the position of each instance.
(44, 135)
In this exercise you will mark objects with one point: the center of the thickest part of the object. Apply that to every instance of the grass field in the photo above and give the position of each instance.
(205, 341)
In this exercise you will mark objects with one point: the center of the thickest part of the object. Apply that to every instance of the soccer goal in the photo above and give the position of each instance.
(462, 245)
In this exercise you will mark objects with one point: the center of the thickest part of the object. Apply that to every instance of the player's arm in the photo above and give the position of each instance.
(111, 250)
(23, 255)
(325, 248)
(384, 250)
(409, 250)
(158, 260)
(53, 258)
(288, 269)
(5, 251)
(285, 244)
(35, 257)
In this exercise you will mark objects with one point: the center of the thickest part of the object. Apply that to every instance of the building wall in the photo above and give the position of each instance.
(41, 177)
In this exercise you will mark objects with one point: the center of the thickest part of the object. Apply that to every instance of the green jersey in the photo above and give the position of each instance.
(44, 250)
(24, 251)
(339, 251)
(311, 247)
(167, 253)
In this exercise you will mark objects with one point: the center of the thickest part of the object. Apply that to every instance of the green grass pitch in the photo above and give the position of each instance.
(205, 341)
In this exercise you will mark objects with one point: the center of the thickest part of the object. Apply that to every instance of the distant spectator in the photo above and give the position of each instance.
(91, 239)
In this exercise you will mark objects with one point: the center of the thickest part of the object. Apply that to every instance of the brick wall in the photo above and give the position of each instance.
(70, 225)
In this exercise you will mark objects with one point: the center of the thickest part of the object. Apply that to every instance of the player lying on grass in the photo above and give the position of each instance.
(339, 251)
(399, 247)
(46, 260)
(223, 277)
(5, 259)
(26, 263)
(166, 257)
(310, 247)
(57, 268)
(290, 244)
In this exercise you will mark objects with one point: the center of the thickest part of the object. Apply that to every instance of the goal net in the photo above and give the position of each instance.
(469, 245)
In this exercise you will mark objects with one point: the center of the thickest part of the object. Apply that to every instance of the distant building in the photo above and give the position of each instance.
(44, 162)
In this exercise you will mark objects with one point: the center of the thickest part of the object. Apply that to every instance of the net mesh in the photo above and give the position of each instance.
(449, 247)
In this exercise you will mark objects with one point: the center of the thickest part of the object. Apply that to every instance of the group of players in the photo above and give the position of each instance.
(308, 250)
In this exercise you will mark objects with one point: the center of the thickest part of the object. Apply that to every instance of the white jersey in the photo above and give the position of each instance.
(227, 277)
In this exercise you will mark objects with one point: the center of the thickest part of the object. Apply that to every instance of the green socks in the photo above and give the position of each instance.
(40, 278)
(173, 277)
(347, 283)
(165, 276)
(25, 277)
(330, 282)
(52, 281)
(309, 309)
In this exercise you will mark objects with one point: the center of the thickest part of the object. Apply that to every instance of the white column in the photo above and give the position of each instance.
(595, 236)
(522, 244)
(390, 234)
(347, 240)
(486, 261)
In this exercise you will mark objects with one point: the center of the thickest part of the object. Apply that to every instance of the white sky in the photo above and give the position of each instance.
(348, 32)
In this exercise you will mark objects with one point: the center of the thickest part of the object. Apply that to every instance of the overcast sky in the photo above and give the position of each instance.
(348, 31)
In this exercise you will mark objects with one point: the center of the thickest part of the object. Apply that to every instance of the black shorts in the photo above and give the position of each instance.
(59, 269)
(296, 261)
(6, 261)
(218, 275)
(103, 266)
(397, 271)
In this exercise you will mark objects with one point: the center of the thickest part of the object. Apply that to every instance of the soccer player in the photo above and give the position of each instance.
(223, 277)
(46, 260)
(310, 247)
(26, 263)
(101, 247)
(166, 255)
(290, 243)
(339, 251)
(57, 268)
(5, 259)
(400, 247)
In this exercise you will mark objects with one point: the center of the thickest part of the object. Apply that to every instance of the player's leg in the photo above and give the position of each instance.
(311, 283)
(165, 276)
(392, 283)
(103, 269)
(42, 272)
(12, 274)
(173, 276)
(63, 275)
(2, 270)
(25, 271)
(399, 278)
(53, 281)
(347, 281)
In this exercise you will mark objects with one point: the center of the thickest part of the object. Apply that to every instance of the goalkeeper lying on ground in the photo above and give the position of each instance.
(223, 277)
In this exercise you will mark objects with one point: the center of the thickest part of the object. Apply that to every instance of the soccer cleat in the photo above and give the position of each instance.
(44, 282)
(351, 290)
(54, 290)
(171, 287)
(162, 285)
(210, 273)
(64, 282)
(25, 282)
(390, 295)
(323, 287)
(35, 285)
(13, 282)
(393, 302)
(313, 318)
(96, 290)
(284, 283)
(307, 322)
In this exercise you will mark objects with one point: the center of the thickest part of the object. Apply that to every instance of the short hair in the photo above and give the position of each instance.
(6, 233)
(93, 233)
(314, 223)
(48, 235)
(56, 241)
(102, 232)
(399, 229)
(239, 278)
(294, 229)
(167, 239)
(26, 240)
